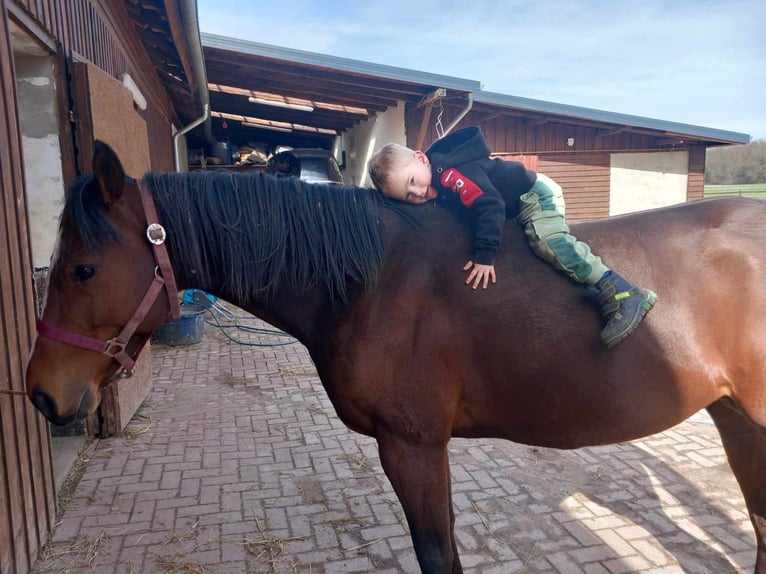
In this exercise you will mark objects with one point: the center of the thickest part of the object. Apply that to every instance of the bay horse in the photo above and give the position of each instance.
(407, 353)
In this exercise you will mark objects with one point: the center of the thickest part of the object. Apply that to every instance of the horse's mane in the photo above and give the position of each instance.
(254, 233)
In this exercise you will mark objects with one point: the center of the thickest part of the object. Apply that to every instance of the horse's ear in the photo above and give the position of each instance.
(108, 172)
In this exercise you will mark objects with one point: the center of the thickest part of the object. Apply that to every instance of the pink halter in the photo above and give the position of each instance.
(163, 277)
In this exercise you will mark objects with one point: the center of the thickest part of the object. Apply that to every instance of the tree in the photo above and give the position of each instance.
(732, 165)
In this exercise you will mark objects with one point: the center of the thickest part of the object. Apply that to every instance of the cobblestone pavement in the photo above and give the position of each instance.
(237, 463)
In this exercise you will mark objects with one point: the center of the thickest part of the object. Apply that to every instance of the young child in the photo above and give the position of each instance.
(458, 170)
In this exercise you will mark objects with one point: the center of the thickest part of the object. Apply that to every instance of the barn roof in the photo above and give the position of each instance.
(306, 94)
(617, 119)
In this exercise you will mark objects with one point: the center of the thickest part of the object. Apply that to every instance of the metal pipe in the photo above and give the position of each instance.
(461, 115)
(177, 136)
(191, 31)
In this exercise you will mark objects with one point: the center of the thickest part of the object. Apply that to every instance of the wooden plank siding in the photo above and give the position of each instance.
(516, 134)
(27, 503)
(584, 177)
(696, 184)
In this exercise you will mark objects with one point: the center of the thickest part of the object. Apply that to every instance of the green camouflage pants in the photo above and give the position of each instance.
(542, 215)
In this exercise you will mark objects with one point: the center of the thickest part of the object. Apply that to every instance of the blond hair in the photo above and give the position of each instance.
(384, 161)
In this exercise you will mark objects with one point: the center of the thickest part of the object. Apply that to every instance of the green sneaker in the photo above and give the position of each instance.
(623, 306)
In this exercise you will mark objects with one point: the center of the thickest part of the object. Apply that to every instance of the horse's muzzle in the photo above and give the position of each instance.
(49, 408)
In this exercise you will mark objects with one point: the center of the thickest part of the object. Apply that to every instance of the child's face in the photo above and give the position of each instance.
(411, 180)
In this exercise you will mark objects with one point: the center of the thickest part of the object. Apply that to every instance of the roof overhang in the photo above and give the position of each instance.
(258, 89)
(169, 32)
(609, 122)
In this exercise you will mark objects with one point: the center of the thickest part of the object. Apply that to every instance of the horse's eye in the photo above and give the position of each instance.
(84, 272)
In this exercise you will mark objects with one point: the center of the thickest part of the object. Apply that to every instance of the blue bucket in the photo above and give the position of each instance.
(185, 330)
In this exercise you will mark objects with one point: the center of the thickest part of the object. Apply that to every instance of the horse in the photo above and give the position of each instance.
(407, 352)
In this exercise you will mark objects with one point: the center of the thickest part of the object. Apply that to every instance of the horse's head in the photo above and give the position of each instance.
(102, 267)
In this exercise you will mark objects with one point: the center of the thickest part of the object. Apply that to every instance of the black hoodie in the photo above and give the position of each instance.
(468, 179)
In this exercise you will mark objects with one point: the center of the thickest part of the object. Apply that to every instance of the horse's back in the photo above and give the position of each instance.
(733, 215)
(674, 248)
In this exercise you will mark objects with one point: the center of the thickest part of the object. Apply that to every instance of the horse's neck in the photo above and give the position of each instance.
(301, 310)
(296, 313)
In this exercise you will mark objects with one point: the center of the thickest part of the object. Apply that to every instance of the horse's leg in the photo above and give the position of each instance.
(421, 479)
(457, 568)
(745, 445)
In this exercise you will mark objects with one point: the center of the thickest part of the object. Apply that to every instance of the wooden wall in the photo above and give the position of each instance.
(27, 505)
(101, 32)
(696, 186)
(530, 135)
(584, 177)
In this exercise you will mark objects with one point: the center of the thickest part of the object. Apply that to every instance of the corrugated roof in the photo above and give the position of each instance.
(541, 106)
(336, 63)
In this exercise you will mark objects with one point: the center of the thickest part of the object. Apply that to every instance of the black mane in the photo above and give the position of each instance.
(253, 233)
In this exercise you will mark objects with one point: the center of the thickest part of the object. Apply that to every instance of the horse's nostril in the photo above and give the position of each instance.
(44, 403)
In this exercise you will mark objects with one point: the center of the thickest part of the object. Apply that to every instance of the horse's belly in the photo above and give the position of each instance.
(568, 420)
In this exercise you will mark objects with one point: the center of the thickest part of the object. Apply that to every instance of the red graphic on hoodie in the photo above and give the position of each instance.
(466, 189)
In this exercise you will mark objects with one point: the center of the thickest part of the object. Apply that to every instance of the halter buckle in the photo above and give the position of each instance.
(113, 347)
(155, 233)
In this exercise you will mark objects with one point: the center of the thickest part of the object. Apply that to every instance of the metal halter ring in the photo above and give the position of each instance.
(114, 347)
(155, 233)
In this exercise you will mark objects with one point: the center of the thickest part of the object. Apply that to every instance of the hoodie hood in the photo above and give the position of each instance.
(459, 147)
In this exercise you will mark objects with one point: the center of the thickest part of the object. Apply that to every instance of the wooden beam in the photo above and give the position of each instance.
(437, 94)
(423, 128)
(612, 132)
(181, 45)
(537, 122)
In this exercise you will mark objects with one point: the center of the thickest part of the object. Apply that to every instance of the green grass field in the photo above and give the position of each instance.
(757, 190)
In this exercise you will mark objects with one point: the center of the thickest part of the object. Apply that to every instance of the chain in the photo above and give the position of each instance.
(12, 392)
(438, 126)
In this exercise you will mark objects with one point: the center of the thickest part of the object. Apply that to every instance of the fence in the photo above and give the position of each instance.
(757, 190)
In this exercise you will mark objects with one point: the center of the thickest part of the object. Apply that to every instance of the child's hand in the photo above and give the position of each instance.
(480, 274)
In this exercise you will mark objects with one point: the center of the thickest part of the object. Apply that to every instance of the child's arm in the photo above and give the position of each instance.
(476, 192)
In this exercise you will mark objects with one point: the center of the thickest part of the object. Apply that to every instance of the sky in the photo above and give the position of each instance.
(699, 62)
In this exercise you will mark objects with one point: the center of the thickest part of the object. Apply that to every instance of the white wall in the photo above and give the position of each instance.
(44, 180)
(647, 180)
(362, 140)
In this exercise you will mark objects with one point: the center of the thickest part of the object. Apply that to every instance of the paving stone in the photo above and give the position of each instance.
(245, 452)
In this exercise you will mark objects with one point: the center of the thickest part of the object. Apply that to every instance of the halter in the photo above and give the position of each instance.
(163, 277)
